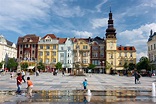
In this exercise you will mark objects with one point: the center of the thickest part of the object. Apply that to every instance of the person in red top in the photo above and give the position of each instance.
(29, 88)
(19, 82)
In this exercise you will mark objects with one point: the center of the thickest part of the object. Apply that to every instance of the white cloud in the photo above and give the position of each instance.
(98, 7)
(61, 8)
(82, 34)
(138, 38)
(15, 14)
(98, 23)
(139, 55)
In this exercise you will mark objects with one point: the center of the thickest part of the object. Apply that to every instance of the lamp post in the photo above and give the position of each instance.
(103, 62)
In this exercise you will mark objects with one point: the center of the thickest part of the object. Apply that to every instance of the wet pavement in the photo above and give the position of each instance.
(106, 89)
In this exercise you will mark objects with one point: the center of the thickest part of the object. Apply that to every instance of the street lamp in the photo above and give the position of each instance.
(103, 62)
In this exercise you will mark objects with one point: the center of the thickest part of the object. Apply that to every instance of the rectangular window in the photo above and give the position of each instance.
(20, 46)
(125, 54)
(47, 61)
(47, 53)
(47, 47)
(84, 54)
(131, 55)
(54, 46)
(95, 54)
(33, 45)
(61, 54)
(85, 47)
(62, 61)
(41, 54)
(69, 48)
(41, 46)
(120, 54)
(54, 53)
(95, 48)
(54, 59)
(151, 47)
(84, 61)
(95, 62)
(61, 48)
(20, 52)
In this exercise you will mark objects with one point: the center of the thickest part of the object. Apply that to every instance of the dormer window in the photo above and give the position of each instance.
(125, 48)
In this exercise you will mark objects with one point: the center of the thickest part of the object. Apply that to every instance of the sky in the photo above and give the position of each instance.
(133, 19)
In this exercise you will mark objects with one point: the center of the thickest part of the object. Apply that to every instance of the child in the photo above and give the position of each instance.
(29, 88)
(85, 84)
(19, 83)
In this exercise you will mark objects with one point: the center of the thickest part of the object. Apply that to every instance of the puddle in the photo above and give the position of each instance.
(79, 97)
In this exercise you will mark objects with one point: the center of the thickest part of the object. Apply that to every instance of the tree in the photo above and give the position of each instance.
(11, 64)
(24, 66)
(131, 66)
(143, 64)
(41, 66)
(91, 66)
(58, 65)
(125, 65)
(1, 65)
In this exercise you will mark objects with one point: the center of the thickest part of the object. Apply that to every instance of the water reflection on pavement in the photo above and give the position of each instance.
(79, 97)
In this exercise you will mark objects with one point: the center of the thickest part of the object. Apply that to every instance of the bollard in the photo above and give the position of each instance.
(153, 90)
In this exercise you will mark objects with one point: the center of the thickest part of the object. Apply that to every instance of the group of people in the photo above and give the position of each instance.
(20, 78)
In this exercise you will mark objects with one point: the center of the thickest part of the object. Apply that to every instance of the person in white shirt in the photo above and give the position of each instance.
(23, 75)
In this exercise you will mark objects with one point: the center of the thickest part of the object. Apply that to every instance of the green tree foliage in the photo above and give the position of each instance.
(41, 66)
(131, 66)
(1, 65)
(125, 65)
(24, 65)
(91, 66)
(11, 64)
(58, 65)
(143, 64)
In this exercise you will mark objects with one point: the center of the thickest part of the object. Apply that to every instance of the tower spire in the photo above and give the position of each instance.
(110, 8)
(110, 31)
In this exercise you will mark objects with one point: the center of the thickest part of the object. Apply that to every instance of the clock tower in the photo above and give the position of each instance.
(111, 43)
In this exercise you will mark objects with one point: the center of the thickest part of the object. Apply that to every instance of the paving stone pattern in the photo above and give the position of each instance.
(99, 82)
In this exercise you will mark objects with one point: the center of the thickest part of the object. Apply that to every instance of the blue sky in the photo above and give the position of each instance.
(133, 19)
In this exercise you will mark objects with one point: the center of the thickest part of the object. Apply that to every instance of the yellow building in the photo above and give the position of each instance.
(117, 56)
(48, 50)
(81, 52)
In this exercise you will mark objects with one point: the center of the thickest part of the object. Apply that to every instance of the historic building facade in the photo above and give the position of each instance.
(97, 54)
(81, 52)
(48, 51)
(117, 56)
(65, 53)
(98, 51)
(27, 47)
(7, 49)
(152, 48)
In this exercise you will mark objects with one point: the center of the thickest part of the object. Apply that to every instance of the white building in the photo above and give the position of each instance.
(7, 49)
(152, 48)
(65, 53)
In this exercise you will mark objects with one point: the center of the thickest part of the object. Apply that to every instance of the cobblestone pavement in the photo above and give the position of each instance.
(47, 81)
